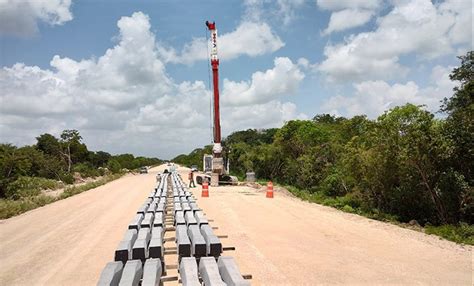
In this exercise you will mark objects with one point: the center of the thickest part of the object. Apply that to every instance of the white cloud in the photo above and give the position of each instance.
(375, 97)
(283, 79)
(333, 5)
(411, 27)
(286, 10)
(249, 38)
(346, 19)
(20, 18)
(124, 100)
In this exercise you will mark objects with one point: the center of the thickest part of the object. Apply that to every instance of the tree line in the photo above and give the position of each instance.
(407, 163)
(58, 159)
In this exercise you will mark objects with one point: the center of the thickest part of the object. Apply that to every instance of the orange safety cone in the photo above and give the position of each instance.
(270, 189)
(205, 189)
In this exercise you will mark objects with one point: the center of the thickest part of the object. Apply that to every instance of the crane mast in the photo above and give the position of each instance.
(217, 160)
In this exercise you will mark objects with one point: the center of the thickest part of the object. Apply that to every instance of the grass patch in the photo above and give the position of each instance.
(10, 207)
(24, 187)
(74, 190)
(462, 233)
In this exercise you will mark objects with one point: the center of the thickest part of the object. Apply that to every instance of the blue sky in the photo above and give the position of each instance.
(132, 76)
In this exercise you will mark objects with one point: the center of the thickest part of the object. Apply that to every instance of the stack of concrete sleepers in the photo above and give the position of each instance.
(139, 256)
(199, 249)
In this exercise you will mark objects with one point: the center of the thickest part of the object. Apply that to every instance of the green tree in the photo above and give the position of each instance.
(459, 128)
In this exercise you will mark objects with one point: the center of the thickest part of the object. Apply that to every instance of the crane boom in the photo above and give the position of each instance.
(217, 148)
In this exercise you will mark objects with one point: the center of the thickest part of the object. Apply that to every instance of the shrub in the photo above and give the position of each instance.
(86, 170)
(29, 187)
(67, 178)
(114, 166)
(462, 233)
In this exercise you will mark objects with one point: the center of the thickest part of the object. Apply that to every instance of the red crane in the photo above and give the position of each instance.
(217, 149)
(217, 161)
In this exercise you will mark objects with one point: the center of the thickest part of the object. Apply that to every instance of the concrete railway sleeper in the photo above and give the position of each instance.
(141, 255)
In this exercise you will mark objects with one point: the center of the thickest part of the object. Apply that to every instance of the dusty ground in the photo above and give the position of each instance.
(285, 241)
(280, 241)
(70, 241)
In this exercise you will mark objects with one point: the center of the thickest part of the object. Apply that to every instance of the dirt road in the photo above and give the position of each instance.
(70, 241)
(280, 241)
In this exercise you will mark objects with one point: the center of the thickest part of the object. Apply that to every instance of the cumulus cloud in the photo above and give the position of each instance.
(348, 14)
(411, 27)
(346, 19)
(249, 38)
(375, 97)
(20, 18)
(332, 5)
(124, 100)
(283, 79)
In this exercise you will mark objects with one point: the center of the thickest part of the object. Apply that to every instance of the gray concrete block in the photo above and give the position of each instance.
(130, 234)
(230, 272)
(198, 244)
(140, 249)
(132, 273)
(213, 243)
(161, 208)
(189, 272)
(177, 207)
(190, 219)
(135, 223)
(210, 272)
(182, 241)
(123, 252)
(151, 208)
(200, 218)
(155, 248)
(142, 209)
(111, 274)
(179, 218)
(158, 220)
(147, 220)
(152, 272)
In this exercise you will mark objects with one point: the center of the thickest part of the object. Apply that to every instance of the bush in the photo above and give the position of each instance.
(86, 170)
(114, 166)
(9, 208)
(29, 187)
(67, 178)
(462, 233)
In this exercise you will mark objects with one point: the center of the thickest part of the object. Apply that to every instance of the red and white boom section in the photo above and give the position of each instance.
(217, 149)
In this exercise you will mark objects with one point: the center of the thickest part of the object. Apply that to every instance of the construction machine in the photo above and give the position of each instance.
(215, 166)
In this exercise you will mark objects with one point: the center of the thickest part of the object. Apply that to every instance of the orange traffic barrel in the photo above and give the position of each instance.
(205, 189)
(270, 189)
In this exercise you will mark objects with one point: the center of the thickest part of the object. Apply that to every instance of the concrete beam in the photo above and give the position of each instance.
(123, 252)
(140, 247)
(182, 241)
(111, 274)
(198, 244)
(189, 272)
(230, 272)
(158, 221)
(213, 243)
(152, 272)
(135, 223)
(210, 272)
(132, 273)
(190, 219)
(147, 220)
